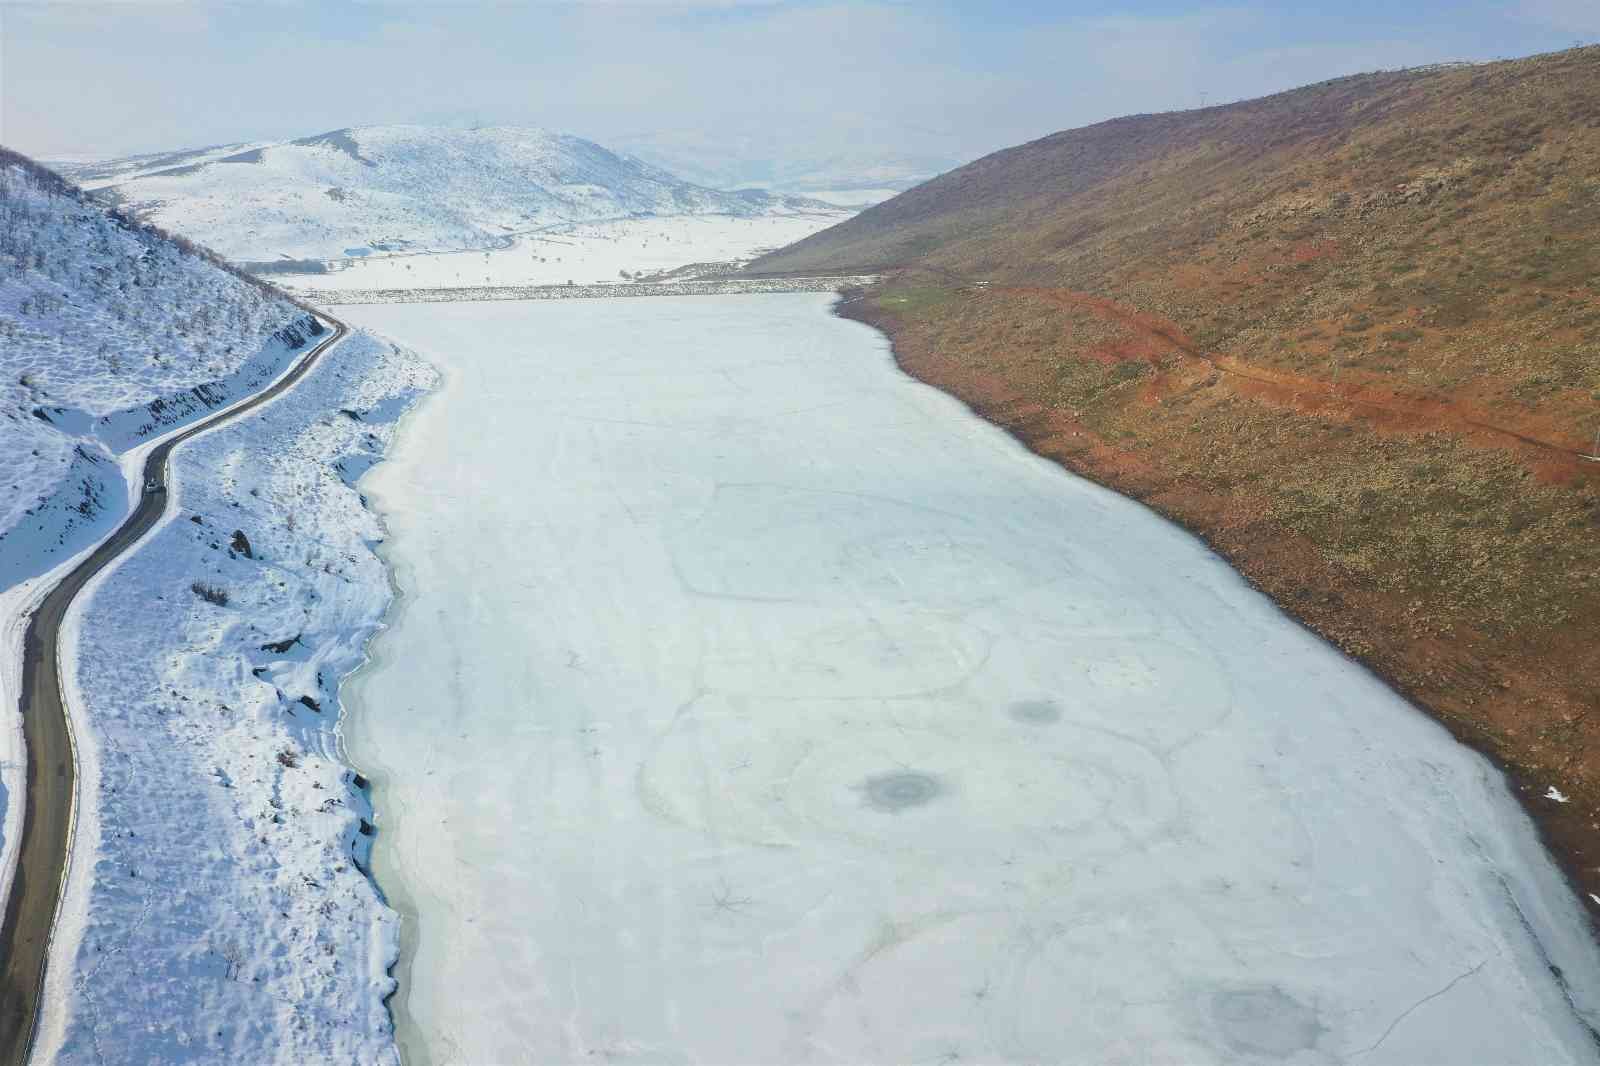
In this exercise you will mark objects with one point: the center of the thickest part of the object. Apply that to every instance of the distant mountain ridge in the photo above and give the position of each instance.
(712, 160)
(387, 189)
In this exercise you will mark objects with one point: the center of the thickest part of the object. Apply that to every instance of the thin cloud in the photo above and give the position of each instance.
(1579, 17)
(739, 84)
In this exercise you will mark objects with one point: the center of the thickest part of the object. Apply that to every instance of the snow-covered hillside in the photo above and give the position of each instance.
(109, 332)
(387, 189)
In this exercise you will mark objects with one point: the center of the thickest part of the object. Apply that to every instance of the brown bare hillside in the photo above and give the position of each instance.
(1350, 334)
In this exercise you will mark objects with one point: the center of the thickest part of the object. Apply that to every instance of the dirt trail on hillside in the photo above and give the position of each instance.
(1384, 408)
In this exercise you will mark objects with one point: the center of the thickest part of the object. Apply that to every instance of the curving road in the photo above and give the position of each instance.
(48, 811)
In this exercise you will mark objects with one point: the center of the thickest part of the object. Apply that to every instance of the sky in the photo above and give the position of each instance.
(736, 86)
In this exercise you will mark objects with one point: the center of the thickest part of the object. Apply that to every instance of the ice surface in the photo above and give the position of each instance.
(749, 702)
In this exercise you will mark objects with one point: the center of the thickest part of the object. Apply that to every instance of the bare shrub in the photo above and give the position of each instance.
(210, 593)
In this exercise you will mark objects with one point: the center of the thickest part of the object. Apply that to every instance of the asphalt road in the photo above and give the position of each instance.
(47, 821)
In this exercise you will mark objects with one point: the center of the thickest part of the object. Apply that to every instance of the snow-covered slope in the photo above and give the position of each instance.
(384, 189)
(109, 332)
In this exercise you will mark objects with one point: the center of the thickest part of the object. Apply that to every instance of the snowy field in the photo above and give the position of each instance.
(749, 702)
(605, 252)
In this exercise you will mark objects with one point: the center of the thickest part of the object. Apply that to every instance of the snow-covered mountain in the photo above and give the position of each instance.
(387, 189)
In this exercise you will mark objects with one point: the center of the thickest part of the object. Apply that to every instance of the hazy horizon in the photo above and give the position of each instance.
(737, 87)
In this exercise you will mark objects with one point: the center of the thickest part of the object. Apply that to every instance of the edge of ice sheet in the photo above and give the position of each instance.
(395, 897)
(219, 862)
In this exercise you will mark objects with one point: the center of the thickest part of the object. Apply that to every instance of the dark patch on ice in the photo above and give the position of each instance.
(901, 790)
(1265, 1021)
(1036, 712)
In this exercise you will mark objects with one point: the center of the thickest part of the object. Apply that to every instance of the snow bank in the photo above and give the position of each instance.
(216, 906)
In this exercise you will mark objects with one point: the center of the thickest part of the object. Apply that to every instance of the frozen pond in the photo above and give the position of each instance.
(751, 703)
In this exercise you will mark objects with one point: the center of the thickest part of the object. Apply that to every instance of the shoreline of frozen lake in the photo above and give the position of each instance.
(749, 701)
